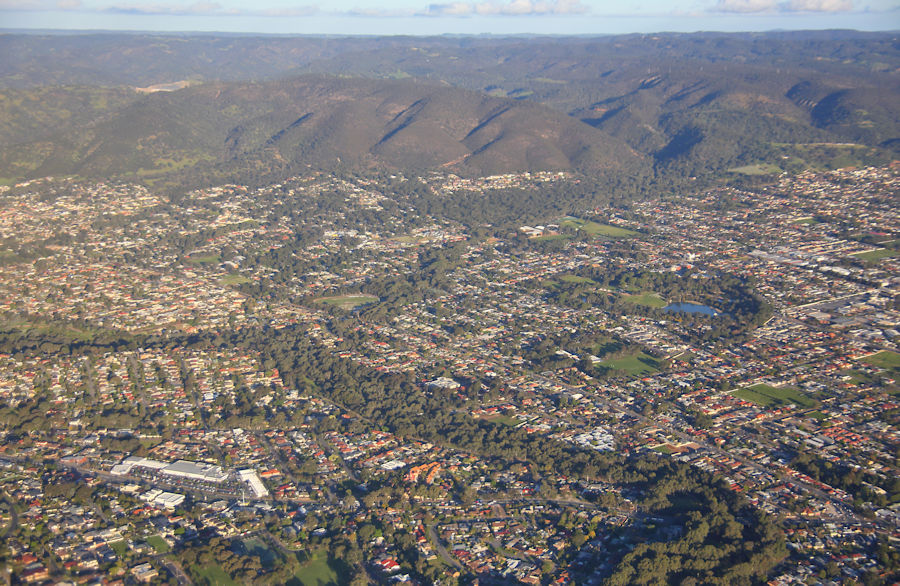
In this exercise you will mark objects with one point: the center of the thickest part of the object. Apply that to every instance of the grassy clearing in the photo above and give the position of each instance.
(769, 396)
(504, 419)
(408, 239)
(348, 301)
(884, 359)
(159, 544)
(214, 575)
(120, 547)
(639, 364)
(878, 254)
(65, 332)
(595, 229)
(234, 280)
(208, 259)
(576, 279)
(165, 165)
(647, 299)
(316, 572)
(758, 169)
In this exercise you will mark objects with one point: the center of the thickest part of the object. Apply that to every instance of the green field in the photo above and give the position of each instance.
(759, 169)
(214, 575)
(348, 301)
(769, 396)
(120, 547)
(234, 280)
(595, 229)
(576, 279)
(408, 239)
(878, 254)
(505, 420)
(884, 359)
(315, 572)
(638, 365)
(159, 544)
(205, 260)
(647, 299)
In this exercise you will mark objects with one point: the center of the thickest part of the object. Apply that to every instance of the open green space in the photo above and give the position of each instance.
(214, 575)
(159, 544)
(63, 331)
(647, 299)
(769, 396)
(204, 259)
(164, 165)
(575, 279)
(595, 229)
(884, 359)
(234, 280)
(505, 420)
(758, 169)
(639, 364)
(874, 255)
(408, 239)
(120, 547)
(315, 572)
(348, 301)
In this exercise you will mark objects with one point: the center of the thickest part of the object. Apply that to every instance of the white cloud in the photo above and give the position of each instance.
(819, 5)
(745, 6)
(509, 8)
(197, 8)
(763, 6)
(289, 12)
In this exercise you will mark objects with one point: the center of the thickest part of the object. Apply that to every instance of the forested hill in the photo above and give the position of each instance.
(670, 104)
(326, 121)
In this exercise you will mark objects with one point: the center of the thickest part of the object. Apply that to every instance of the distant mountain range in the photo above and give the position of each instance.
(697, 105)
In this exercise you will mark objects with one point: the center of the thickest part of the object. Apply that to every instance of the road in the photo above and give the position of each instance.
(177, 571)
(442, 551)
(13, 515)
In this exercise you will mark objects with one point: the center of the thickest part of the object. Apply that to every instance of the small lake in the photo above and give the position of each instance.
(690, 308)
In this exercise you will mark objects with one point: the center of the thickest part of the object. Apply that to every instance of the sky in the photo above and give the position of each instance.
(435, 17)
